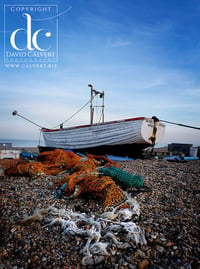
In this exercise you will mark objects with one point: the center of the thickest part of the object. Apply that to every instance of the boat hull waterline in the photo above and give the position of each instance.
(123, 136)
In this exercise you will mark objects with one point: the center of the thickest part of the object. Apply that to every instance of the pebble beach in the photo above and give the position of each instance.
(169, 216)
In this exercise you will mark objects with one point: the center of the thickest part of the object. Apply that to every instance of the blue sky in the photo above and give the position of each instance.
(144, 54)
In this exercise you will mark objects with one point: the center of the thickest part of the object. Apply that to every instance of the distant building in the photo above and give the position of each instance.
(172, 149)
(10, 154)
(178, 148)
(5, 146)
(159, 152)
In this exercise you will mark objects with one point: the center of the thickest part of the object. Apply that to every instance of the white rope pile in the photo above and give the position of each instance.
(99, 231)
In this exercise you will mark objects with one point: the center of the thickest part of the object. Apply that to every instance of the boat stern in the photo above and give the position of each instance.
(152, 130)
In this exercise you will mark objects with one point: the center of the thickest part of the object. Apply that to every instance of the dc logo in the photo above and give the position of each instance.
(31, 38)
(31, 34)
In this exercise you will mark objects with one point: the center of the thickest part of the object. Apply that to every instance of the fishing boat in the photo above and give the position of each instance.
(126, 137)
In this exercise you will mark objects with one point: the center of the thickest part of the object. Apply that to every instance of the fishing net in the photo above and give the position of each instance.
(102, 187)
(21, 168)
(102, 160)
(8, 163)
(122, 177)
(58, 159)
(82, 177)
(49, 163)
(54, 162)
(85, 164)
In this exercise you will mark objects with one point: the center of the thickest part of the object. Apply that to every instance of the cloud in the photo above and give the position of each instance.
(117, 43)
(194, 92)
(152, 30)
(175, 105)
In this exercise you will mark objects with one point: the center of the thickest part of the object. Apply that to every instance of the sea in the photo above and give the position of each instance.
(23, 143)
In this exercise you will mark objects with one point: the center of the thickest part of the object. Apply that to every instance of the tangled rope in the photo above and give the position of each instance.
(100, 232)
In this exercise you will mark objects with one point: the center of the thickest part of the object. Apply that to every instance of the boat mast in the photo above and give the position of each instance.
(93, 94)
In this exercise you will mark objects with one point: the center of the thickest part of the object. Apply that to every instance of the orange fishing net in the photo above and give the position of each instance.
(25, 169)
(90, 182)
(19, 167)
(59, 159)
(8, 163)
(84, 176)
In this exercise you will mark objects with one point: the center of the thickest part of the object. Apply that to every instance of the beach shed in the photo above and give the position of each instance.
(179, 148)
(10, 154)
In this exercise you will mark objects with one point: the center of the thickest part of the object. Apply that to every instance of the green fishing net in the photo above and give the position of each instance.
(122, 177)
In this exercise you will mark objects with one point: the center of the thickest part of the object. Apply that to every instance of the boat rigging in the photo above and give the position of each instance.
(95, 93)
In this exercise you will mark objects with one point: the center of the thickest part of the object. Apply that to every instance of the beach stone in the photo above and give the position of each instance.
(160, 248)
(143, 264)
(169, 216)
(44, 259)
(1, 172)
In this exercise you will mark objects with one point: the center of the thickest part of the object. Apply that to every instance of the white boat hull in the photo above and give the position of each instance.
(136, 131)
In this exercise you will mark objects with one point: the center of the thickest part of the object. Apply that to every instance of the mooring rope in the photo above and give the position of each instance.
(182, 125)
